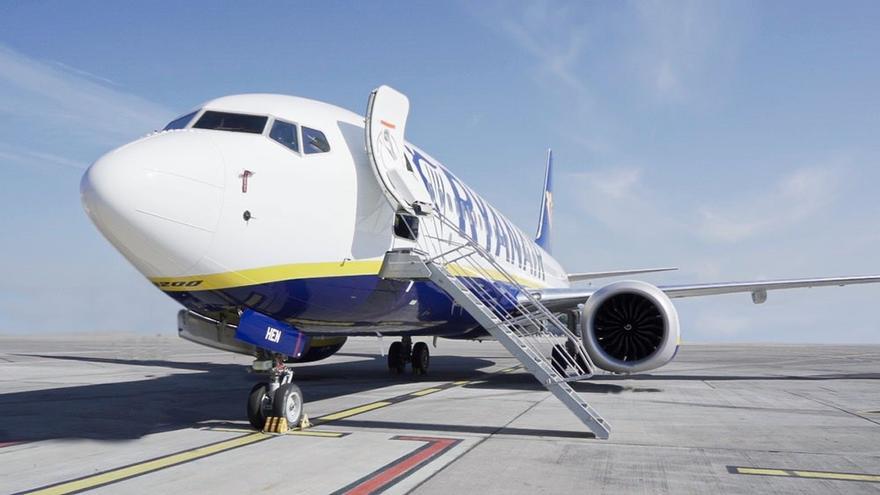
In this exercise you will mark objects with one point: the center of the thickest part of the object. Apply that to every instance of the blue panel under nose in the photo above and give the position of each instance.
(262, 331)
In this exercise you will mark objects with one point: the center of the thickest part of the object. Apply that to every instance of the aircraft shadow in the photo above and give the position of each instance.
(447, 428)
(207, 393)
(216, 393)
(522, 380)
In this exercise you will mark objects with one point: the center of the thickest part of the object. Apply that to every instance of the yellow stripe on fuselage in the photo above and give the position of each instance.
(280, 273)
(277, 273)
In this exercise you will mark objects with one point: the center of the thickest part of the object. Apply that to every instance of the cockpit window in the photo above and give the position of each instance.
(180, 122)
(234, 122)
(314, 141)
(285, 134)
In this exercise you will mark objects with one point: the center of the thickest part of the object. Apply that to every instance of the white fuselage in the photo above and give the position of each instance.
(220, 219)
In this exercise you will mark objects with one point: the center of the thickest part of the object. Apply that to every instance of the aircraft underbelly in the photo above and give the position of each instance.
(350, 305)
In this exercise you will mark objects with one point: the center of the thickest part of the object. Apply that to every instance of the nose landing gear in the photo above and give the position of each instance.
(279, 397)
(403, 352)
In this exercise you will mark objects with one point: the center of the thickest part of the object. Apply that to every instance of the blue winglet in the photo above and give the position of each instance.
(545, 222)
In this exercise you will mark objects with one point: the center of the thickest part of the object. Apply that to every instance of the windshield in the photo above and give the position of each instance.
(234, 122)
(180, 122)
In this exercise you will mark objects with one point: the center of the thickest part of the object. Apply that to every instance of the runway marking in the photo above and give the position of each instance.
(425, 392)
(152, 465)
(797, 473)
(141, 468)
(351, 412)
(395, 471)
(298, 433)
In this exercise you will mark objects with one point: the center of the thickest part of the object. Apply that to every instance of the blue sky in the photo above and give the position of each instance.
(735, 140)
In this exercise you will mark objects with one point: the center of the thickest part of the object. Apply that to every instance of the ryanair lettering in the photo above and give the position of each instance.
(477, 218)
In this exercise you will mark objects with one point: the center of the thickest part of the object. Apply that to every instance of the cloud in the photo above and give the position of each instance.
(682, 44)
(27, 157)
(619, 198)
(794, 199)
(673, 48)
(48, 97)
(550, 33)
(622, 200)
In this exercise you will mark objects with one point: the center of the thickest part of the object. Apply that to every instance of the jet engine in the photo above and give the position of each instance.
(630, 326)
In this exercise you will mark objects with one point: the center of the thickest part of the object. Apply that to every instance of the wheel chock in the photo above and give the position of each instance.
(275, 424)
(304, 422)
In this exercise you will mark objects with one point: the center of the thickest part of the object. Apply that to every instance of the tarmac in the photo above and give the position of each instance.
(122, 413)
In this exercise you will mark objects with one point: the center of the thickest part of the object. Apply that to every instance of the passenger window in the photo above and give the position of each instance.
(285, 134)
(180, 122)
(314, 141)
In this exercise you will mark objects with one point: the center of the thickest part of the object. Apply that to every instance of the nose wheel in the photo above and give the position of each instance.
(403, 352)
(279, 397)
(259, 406)
(288, 403)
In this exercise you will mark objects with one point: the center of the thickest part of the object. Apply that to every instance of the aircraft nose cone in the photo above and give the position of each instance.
(158, 200)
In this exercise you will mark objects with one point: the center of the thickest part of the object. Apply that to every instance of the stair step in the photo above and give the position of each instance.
(526, 332)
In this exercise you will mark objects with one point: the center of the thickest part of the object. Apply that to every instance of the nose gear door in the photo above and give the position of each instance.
(387, 111)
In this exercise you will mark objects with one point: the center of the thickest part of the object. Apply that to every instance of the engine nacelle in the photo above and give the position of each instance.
(630, 326)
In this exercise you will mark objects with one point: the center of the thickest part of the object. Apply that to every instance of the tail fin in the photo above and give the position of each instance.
(545, 222)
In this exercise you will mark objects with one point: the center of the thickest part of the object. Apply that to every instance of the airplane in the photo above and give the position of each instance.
(284, 225)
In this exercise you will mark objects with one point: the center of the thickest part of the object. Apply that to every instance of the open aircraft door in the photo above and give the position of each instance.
(385, 125)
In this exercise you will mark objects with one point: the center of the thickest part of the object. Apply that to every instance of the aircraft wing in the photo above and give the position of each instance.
(562, 299)
(578, 277)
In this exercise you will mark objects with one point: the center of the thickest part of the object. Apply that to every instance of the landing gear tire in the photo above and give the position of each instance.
(396, 358)
(421, 358)
(288, 404)
(558, 361)
(259, 405)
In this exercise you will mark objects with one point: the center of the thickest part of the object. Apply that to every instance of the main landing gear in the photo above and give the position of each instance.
(404, 351)
(561, 364)
(279, 397)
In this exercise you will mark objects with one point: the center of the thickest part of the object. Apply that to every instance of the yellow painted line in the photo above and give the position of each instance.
(820, 475)
(312, 433)
(425, 392)
(149, 466)
(302, 433)
(461, 382)
(351, 412)
(229, 430)
(764, 472)
(838, 476)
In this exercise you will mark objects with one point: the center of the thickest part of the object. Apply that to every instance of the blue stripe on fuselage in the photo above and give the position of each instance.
(348, 305)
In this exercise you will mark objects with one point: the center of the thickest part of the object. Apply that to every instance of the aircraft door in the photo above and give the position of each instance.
(387, 111)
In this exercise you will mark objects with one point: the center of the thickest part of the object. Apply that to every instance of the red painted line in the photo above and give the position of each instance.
(8, 444)
(390, 474)
(388, 124)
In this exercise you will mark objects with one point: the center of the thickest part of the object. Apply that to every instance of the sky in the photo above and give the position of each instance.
(734, 140)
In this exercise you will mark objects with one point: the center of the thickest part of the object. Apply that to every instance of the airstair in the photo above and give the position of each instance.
(471, 275)
(489, 293)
